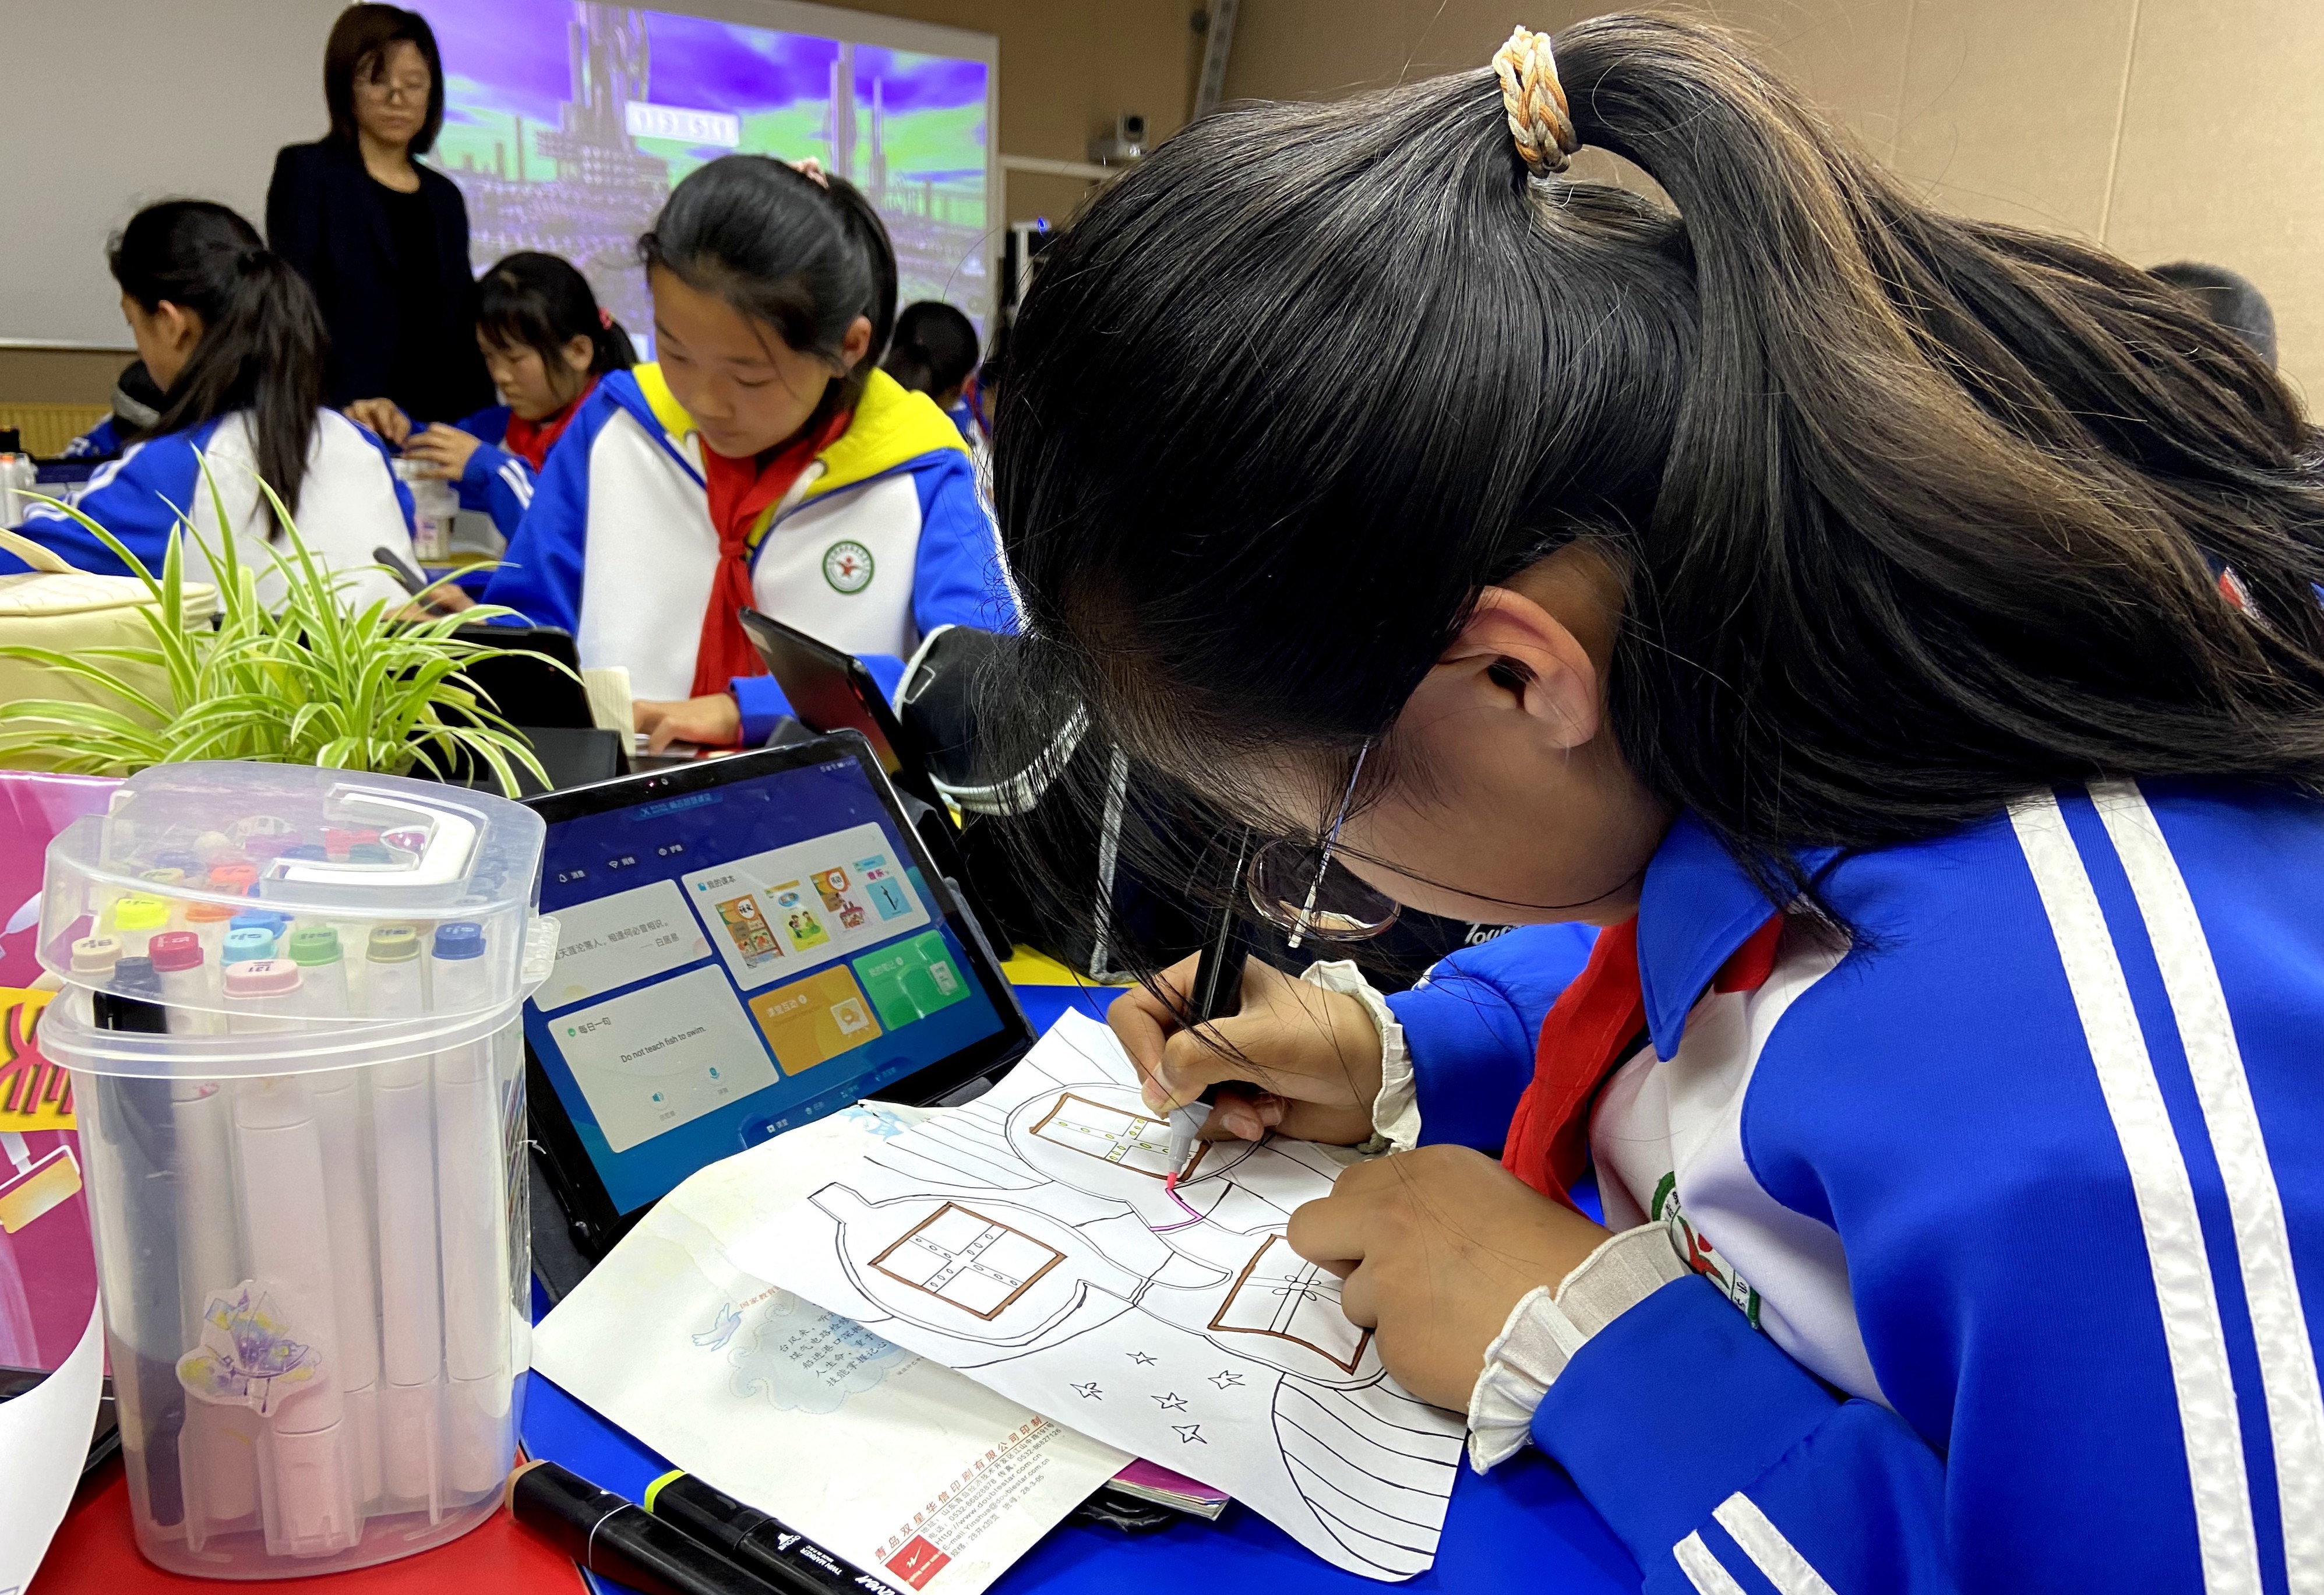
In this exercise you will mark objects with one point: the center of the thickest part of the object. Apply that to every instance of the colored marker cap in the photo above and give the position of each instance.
(264, 976)
(260, 919)
(307, 853)
(314, 944)
(169, 876)
(176, 858)
(208, 913)
(393, 944)
(249, 944)
(370, 853)
(140, 914)
(232, 877)
(461, 939)
(172, 950)
(136, 977)
(95, 955)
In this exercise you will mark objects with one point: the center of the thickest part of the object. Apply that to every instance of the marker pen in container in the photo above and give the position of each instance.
(217, 1450)
(93, 958)
(136, 920)
(338, 1114)
(235, 879)
(471, 1165)
(307, 1483)
(411, 1302)
(612, 1537)
(755, 1540)
(189, 982)
(179, 859)
(210, 921)
(166, 876)
(277, 925)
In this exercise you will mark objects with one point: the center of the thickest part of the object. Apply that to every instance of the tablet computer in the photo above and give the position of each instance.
(831, 691)
(744, 945)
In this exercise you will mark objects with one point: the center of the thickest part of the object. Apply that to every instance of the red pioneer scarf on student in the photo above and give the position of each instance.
(741, 491)
(528, 440)
(1591, 1027)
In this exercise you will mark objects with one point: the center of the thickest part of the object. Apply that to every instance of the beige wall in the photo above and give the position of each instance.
(2164, 129)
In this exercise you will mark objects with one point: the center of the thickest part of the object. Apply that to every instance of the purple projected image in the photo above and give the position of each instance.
(567, 122)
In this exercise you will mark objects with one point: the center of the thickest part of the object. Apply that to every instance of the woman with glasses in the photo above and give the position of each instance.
(383, 240)
(1899, 634)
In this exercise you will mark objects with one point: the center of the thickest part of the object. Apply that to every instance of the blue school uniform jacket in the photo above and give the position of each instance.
(2005, 1209)
(882, 540)
(495, 481)
(349, 504)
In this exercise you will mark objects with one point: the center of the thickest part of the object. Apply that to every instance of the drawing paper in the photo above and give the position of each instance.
(1027, 1240)
(893, 1461)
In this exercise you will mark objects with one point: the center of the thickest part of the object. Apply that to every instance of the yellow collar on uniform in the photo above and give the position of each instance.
(892, 424)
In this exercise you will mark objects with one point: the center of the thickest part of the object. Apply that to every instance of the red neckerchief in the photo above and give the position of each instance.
(741, 491)
(528, 440)
(1595, 1023)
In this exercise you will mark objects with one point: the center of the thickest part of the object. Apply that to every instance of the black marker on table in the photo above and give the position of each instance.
(609, 1536)
(757, 1541)
(1217, 994)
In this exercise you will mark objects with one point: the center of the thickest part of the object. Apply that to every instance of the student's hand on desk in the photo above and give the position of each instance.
(714, 721)
(445, 448)
(1314, 1053)
(384, 416)
(1435, 1246)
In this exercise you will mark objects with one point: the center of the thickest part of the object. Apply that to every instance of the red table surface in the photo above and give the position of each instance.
(95, 1554)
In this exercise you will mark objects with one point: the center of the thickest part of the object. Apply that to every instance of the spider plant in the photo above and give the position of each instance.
(309, 680)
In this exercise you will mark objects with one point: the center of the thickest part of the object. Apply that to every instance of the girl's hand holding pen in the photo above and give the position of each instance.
(1313, 1052)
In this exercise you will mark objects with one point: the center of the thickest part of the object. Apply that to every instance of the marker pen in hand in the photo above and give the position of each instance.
(305, 1476)
(755, 1540)
(404, 1133)
(613, 1537)
(472, 1216)
(1217, 994)
(338, 1115)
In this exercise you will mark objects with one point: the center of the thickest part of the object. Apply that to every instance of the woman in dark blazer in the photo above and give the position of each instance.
(382, 239)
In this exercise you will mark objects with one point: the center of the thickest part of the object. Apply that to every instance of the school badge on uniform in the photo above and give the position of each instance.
(847, 566)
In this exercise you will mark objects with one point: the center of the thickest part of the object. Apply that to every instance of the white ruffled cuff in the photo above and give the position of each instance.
(1548, 1327)
(1396, 1110)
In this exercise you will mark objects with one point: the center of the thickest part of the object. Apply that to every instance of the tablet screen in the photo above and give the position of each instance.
(736, 960)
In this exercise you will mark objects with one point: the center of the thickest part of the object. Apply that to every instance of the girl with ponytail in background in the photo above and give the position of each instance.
(765, 459)
(231, 335)
(1898, 633)
(545, 341)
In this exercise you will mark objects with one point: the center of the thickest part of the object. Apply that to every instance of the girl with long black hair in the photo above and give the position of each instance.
(231, 335)
(546, 340)
(764, 459)
(1899, 633)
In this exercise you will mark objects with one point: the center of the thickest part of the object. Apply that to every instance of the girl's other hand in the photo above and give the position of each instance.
(712, 721)
(1314, 1054)
(1436, 1247)
(445, 448)
(383, 417)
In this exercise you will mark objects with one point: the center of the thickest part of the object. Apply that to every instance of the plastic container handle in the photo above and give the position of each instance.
(39, 556)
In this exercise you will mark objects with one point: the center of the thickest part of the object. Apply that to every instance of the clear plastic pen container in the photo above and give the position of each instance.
(292, 1010)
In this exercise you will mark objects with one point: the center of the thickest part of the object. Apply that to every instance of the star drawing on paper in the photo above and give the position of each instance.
(1172, 1403)
(1089, 1392)
(1190, 1433)
(1226, 1378)
(1141, 1359)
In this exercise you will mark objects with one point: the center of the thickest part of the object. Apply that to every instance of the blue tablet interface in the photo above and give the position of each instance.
(734, 961)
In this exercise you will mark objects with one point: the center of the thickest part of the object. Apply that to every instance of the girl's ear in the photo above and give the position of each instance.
(181, 329)
(856, 343)
(1520, 654)
(579, 351)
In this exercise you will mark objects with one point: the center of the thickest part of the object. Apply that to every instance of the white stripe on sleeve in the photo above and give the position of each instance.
(2287, 1358)
(1766, 1545)
(2175, 1254)
(520, 482)
(1701, 1568)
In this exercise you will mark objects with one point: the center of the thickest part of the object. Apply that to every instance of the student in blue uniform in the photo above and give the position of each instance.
(765, 461)
(545, 341)
(231, 335)
(934, 352)
(1820, 595)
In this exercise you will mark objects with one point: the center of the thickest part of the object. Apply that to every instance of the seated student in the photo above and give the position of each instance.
(765, 461)
(934, 353)
(545, 342)
(231, 335)
(1814, 590)
(136, 406)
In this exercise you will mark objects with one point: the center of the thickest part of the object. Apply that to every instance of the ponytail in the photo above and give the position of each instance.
(934, 349)
(262, 337)
(802, 254)
(1916, 514)
(541, 303)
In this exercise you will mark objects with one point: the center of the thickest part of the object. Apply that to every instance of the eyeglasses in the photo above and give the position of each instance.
(1293, 887)
(407, 89)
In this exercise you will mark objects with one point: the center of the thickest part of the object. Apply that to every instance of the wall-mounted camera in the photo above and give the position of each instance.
(1125, 145)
